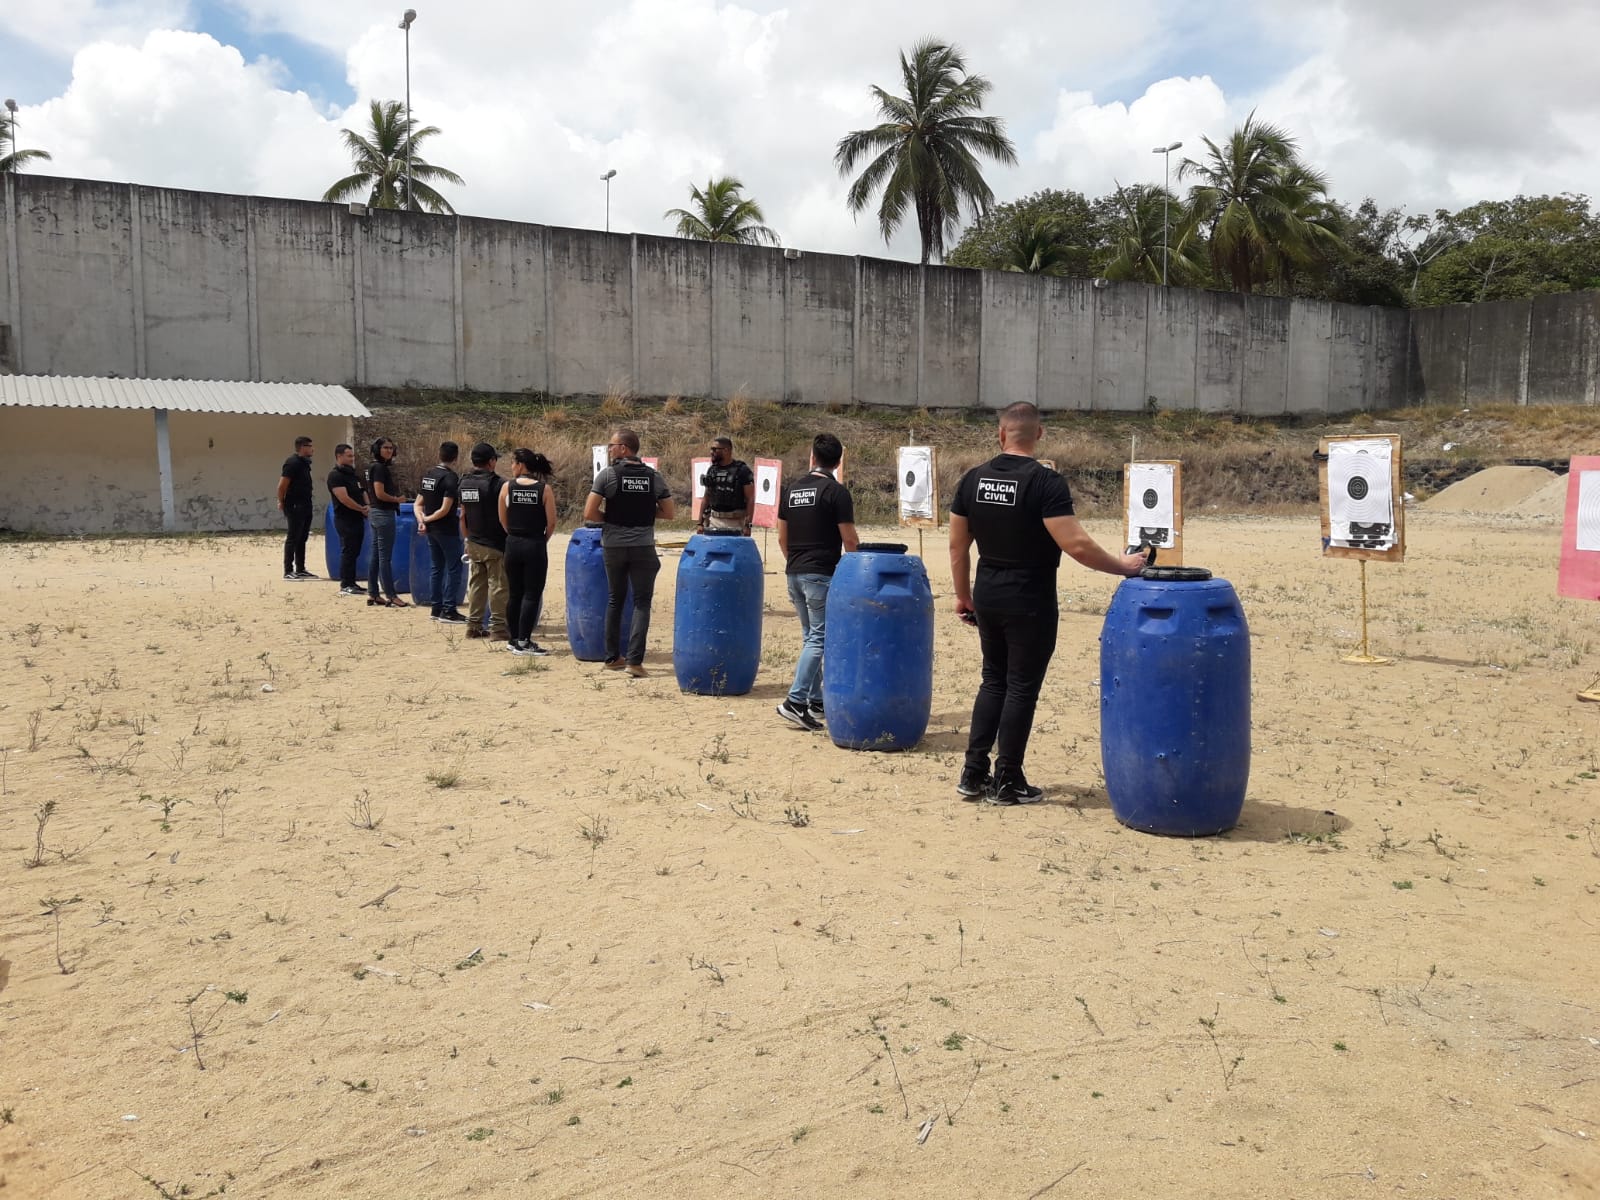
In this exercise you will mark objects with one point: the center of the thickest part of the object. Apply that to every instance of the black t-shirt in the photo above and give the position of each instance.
(379, 472)
(725, 486)
(436, 484)
(1006, 502)
(297, 470)
(814, 506)
(480, 508)
(525, 509)
(346, 477)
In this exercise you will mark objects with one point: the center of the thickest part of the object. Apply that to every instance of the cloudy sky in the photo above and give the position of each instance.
(1416, 102)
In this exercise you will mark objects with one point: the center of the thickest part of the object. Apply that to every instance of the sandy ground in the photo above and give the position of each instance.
(604, 963)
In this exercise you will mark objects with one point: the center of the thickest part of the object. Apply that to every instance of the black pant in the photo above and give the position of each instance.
(527, 564)
(352, 530)
(294, 543)
(1016, 653)
(629, 568)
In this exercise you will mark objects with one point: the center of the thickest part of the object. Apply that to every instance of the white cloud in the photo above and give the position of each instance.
(1423, 102)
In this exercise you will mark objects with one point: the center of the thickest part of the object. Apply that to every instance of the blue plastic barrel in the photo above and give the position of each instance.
(877, 660)
(405, 534)
(586, 597)
(422, 571)
(1175, 703)
(331, 546)
(716, 620)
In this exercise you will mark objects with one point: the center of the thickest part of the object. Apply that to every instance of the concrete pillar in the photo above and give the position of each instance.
(457, 310)
(358, 232)
(252, 315)
(136, 258)
(633, 304)
(169, 512)
(14, 273)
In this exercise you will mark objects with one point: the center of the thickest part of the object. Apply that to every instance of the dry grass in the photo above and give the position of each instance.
(1230, 463)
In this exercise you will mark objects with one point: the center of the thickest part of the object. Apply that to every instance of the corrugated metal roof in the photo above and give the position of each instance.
(180, 395)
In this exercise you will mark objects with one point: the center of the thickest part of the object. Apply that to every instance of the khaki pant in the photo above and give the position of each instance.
(733, 521)
(486, 583)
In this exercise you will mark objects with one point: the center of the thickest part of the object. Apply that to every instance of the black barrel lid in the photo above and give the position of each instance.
(1176, 574)
(883, 547)
(720, 533)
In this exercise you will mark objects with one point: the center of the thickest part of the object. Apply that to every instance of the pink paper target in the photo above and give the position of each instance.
(1580, 533)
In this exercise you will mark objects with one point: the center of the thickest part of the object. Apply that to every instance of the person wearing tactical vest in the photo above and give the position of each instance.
(1020, 515)
(486, 544)
(528, 514)
(628, 496)
(730, 501)
(438, 494)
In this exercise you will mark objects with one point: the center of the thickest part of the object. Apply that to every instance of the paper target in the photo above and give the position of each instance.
(769, 487)
(1361, 494)
(697, 484)
(915, 471)
(1580, 534)
(1152, 505)
(600, 458)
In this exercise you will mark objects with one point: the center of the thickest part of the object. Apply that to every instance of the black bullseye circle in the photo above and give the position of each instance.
(1150, 498)
(911, 478)
(1357, 487)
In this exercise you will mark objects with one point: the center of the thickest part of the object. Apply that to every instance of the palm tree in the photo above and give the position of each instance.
(381, 169)
(924, 155)
(1134, 229)
(721, 214)
(1037, 247)
(1266, 210)
(13, 160)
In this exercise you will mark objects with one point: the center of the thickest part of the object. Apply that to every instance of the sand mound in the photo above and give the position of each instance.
(1495, 490)
(1548, 503)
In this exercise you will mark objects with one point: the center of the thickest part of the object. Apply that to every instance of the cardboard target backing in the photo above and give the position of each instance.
(1362, 513)
(697, 474)
(769, 490)
(917, 471)
(1152, 504)
(1580, 532)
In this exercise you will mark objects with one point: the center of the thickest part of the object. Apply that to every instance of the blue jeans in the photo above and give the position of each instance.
(444, 547)
(809, 595)
(382, 568)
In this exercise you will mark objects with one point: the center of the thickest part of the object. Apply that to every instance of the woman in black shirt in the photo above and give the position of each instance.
(528, 513)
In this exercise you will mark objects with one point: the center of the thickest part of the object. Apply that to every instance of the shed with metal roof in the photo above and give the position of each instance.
(92, 455)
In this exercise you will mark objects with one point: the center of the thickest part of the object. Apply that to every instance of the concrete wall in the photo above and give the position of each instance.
(225, 469)
(112, 279)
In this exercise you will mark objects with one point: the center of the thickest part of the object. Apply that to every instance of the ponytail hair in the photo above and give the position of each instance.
(536, 463)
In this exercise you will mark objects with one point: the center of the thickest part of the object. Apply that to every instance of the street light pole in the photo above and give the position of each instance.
(607, 178)
(1166, 196)
(11, 107)
(405, 23)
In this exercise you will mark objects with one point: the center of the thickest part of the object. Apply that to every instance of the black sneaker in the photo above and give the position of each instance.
(800, 718)
(974, 784)
(1017, 791)
(304, 574)
(815, 708)
(291, 577)
(352, 591)
(534, 649)
(451, 617)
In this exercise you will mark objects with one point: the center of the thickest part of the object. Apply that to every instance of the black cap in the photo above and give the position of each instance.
(483, 453)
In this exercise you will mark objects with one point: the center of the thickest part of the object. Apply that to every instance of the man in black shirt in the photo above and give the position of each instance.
(486, 544)
(294, 501)
(438, 494)
(632, 495)
(730, 501)
(349, 515)
(1020, 515)
(816, 525)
